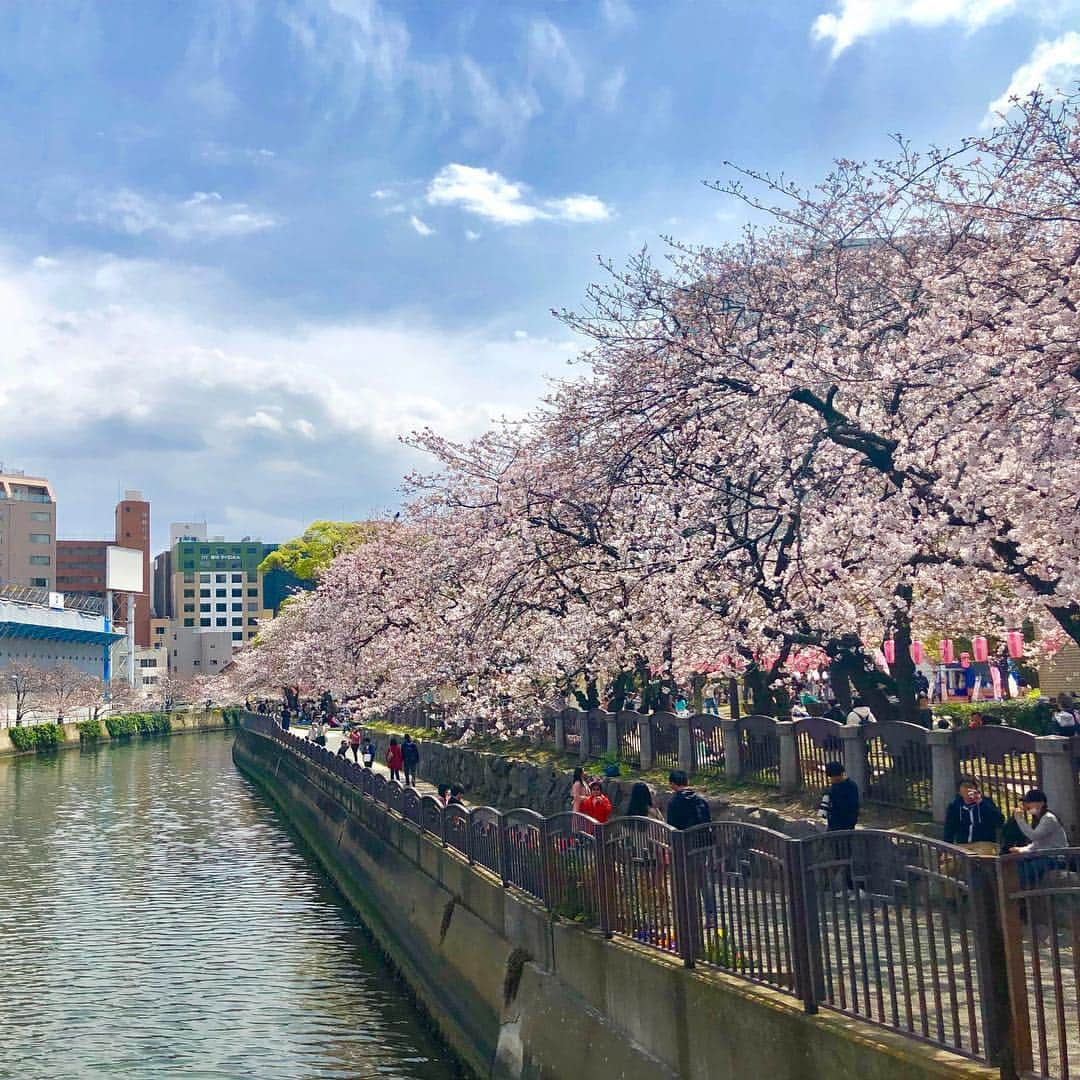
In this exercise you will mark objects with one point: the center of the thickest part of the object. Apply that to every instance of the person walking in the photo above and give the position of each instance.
(410, 759)
(353, 739)
(840, 804)
(972, 818)
(860, 713)
(394, 759)
(685, 809)
(285, 718)
(579, 790)
(367, 753)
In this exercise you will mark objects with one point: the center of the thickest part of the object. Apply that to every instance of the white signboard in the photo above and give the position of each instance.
(123, 569)
(56, 601)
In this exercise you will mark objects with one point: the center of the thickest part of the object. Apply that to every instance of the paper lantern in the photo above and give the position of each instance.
(981, 649)
(1015, 641)
(965, 660)
(948, 656)
(918, 653)
(889, 649)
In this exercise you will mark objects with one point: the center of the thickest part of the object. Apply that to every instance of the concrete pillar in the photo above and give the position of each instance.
(1059, 782)
(560, 731)
(613, 735)
(645, 741)
(686, 747)
(855, 757)
(790, 779)
(729, 730)
(945, 771)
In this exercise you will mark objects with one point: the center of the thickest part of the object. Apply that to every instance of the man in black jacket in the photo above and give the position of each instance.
(686, 808)
(840, 804)
(971, 817)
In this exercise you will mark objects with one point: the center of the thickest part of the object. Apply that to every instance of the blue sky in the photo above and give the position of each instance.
(246, 244)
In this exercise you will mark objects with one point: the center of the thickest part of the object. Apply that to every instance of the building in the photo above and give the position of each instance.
(133, 531)
(163, 569)
(27, 531)
(217, 585)
(159, 630)
(196, 651)
(80, 566)
(45, 629)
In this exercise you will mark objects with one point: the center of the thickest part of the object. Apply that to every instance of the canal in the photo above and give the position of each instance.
(157, 918)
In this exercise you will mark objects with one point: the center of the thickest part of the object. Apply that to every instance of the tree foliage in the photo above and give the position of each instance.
(307, 556)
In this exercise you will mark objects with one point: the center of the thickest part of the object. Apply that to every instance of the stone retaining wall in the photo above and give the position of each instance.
(522, 997)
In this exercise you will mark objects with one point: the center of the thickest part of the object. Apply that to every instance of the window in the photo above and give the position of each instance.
(188, 593)
(189, 607)
(189, 579)
(147, 663)
(40, 515)
(238, 607)
(204, 592)
(253, 622)
(237, 592)
(237, 578)
(204, 607)
(221, 592)
(195, 663)
(41, 538)
(205, 578)
(159, 630)
(221, 607)
(253, 575)
(204, 622)
(222, 622)
(39, 582)
(189, 564)
(253, 605)
(253, 592)
(40, 560)
(238, 635)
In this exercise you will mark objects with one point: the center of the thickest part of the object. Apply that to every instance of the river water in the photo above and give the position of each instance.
(158, 918)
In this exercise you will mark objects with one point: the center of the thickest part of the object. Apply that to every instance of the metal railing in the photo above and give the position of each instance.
(905, 932)
(32, 594)
(899, 766)
(1004, 760)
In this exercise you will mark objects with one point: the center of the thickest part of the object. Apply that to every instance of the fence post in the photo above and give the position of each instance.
(501, 846)
(681, 898)
(686, 746)
(613, 734)
(855, 756)
(560, 731)
(605, 881)
(789, 756)
(944, 771)
(1056, 775)
(733, 695)
(1017, 1051)
(583, 728)
(644, 726)
(729, 730)
(803, 926)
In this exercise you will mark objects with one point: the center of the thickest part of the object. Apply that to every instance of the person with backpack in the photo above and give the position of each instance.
(840, 804)
(685, 809)
(410, 759)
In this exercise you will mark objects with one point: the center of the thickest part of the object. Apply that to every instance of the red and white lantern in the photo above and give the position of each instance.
(918, 653)
(981, 649)
(948, 655)
(889, 649)
(1015, 640)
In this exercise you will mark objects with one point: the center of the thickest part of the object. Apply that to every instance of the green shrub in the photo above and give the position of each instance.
(90, 730)
(1028, 714)
(121, 726)
(231, 717)
(151, 724)
(36, 737)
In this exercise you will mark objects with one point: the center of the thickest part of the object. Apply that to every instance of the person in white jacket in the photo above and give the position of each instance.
(1045, 833)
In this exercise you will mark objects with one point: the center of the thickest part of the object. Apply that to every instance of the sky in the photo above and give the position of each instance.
(246, 245)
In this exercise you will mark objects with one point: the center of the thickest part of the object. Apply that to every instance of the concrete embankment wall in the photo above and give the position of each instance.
(199, 720)
(506, 783)
(521, 997)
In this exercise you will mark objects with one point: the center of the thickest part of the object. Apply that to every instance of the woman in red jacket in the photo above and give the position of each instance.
(394, 759)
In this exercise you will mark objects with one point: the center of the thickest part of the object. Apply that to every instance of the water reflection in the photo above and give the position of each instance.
(157, 918)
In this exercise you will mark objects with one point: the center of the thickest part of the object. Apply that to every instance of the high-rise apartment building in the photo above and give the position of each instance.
(217, 585)
(133, 531)
(27, 531)
(80, 566)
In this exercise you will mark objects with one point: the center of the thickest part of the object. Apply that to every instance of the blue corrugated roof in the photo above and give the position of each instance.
(37, 632)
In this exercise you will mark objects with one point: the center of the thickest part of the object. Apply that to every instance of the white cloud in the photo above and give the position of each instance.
(119, 366)
(617, 14)
(551, 58)
(855, 19)
(1052, 66)
(203, 216)
(610, 90)
(382, 193)
(421, 227)
(471, 234)
(490, 195)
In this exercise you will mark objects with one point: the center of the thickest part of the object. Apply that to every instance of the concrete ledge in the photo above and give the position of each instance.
(520, 997)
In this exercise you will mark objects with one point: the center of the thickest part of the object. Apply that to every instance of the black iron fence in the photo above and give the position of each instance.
(902, 931)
